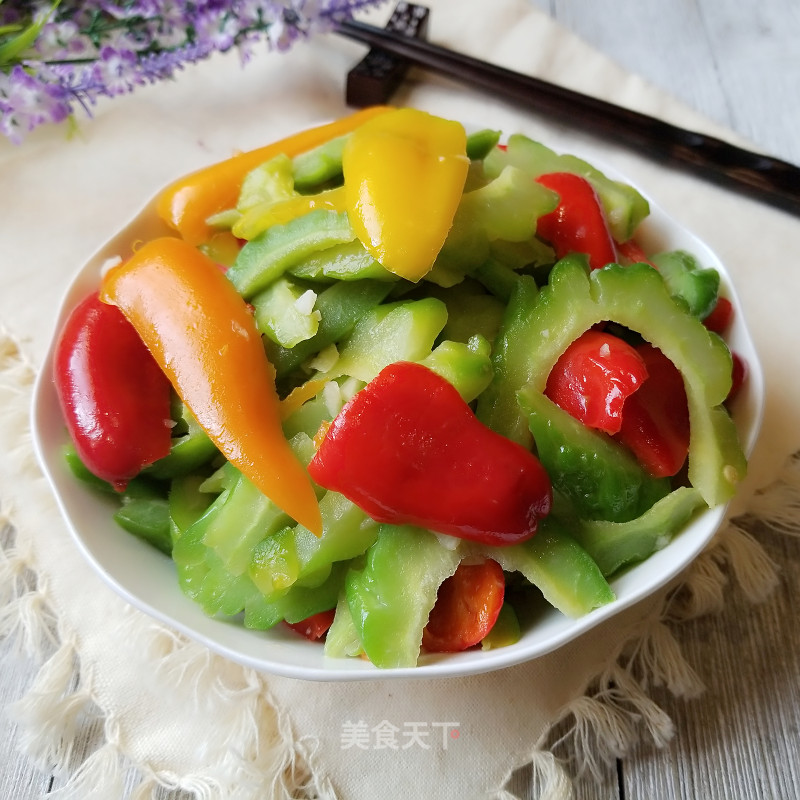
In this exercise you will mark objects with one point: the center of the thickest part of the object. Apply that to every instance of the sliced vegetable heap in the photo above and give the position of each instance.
(392, 385)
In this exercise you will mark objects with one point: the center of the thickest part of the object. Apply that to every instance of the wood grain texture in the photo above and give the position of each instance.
(741, 738)
(737, 63)
(757, 57)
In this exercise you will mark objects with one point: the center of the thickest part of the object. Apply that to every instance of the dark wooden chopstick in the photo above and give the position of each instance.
(761, 176)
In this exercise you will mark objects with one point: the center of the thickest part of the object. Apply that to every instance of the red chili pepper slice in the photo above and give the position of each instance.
(467, 607)
(315, 626)
(407, 449)
(578, 223)
(655, 419)
(114, 396)
(594, 376)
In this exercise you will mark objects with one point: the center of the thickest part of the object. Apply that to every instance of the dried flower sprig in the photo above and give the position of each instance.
(58, 56)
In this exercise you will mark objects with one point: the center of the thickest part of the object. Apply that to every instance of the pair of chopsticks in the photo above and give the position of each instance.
(760, 176)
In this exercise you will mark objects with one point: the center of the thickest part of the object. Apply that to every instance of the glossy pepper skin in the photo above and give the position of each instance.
(655, 419)
(202, 335)
(408, 450)
(467, 606)
(404, 173)
(315, 626)
(578, 224)
(114, 396)
(594, 377)
(637, 297)
(599, 477)
(187, 203)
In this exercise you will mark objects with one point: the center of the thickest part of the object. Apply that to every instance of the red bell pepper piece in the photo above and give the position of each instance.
(114, 396)
(315, 626)
(407, 449)
(719, 320)
(655, 419)
(632, 250)
(578, 224)
(720, 317)
(467, 606)
(738, 376)
(594, 376)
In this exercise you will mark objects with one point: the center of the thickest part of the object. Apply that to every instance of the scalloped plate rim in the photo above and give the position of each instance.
(281, 652)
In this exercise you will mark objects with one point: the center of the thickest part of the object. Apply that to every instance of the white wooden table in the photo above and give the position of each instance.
(739, 63)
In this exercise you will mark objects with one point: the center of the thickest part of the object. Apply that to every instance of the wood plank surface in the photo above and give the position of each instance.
(740, 738)
(738, 63)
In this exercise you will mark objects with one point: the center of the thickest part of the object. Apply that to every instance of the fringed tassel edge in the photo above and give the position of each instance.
(47, 716)
(25, 615)
(264, 758)
(608, 720)
(778, 505)
(267, 762)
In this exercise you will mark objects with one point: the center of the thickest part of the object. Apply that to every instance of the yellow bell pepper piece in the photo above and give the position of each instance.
(258, 218)
(187, 203)
(299, 395)
(201, 333)
(404, 173)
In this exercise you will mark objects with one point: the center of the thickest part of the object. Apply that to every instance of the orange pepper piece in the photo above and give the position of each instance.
(187, 203)
(201, 333)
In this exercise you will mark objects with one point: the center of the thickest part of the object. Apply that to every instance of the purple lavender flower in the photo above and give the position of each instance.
(76, 52)
(26, 102)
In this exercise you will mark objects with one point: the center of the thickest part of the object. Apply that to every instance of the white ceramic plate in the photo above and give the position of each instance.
(146, 578)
